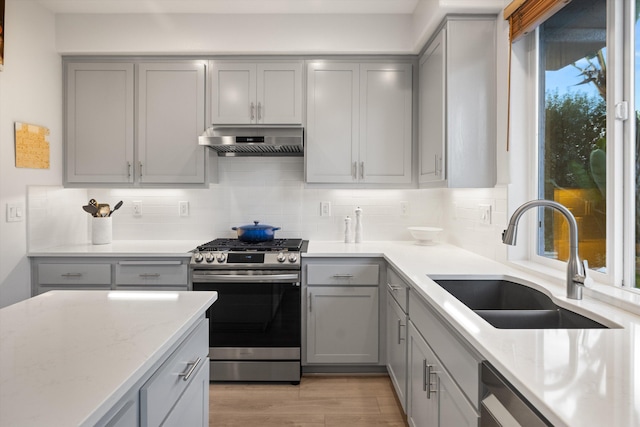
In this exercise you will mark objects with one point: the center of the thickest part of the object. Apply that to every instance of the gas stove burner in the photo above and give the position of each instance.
(278, 245)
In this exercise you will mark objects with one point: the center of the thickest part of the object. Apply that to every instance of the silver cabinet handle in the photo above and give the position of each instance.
(149, 275)
(140, 168)
(393, 288)
(310, 303)
(71, 275)
(191, 367)
(361, 170)
(400, 326)
(342, 276)
(252, 109)
(128, 170)
(354, 170)
(259, 111)
(430, 373)
(435, 164)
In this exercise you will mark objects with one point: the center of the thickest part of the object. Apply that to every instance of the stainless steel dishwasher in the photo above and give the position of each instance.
(503, 405)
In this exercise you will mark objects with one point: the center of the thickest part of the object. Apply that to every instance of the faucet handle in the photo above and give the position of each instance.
(584, 279)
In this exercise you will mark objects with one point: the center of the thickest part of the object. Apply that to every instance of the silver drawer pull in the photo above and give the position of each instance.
(430, 373)
(342, 276)
(191, 369)
(400, 326)
(71, 275)
(393, 288)
(149, 275)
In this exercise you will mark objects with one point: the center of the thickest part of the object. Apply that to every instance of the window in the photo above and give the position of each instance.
(572, 147)
(588, 156)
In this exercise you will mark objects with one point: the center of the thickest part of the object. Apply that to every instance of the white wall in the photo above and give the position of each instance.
(233, 34)
(30, 91)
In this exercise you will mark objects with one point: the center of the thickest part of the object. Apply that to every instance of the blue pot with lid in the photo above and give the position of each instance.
(255, 232)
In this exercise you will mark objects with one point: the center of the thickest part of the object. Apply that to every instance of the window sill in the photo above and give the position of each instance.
(619, 297)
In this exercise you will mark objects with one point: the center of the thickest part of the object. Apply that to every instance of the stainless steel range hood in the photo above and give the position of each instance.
(254, 140)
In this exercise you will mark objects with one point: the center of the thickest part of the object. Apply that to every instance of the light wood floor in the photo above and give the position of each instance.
(319, 401)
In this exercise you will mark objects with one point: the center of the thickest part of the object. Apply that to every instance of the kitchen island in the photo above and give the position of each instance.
(71, 357)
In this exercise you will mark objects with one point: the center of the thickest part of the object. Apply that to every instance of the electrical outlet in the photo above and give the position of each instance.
(404, 208)
(325, 208)
(183, 208)
(137, 207)
(485, 214)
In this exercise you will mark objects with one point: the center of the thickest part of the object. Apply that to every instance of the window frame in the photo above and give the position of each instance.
(620, 256)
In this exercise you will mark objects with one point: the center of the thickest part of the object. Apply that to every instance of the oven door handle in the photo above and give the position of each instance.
(246, 278)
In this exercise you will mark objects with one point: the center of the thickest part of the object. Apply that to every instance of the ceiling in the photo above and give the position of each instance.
(232, 6)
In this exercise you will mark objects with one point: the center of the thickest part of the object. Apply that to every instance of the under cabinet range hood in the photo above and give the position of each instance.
(254, 140)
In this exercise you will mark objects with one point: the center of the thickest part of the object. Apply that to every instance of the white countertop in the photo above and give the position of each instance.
(139, 248)
(575, 377)
(66, 357)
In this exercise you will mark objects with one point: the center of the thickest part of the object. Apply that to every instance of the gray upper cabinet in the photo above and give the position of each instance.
(359, 123)
(171, 100)
(256, 92)
(135, 124)
(457, 102)
(99, 122)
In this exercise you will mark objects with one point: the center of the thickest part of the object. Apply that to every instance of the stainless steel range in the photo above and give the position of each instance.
(254, 330)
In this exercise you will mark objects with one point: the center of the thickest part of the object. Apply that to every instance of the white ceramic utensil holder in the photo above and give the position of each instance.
(101, 230)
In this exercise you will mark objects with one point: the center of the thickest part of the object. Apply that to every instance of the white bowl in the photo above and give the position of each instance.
(424, 235)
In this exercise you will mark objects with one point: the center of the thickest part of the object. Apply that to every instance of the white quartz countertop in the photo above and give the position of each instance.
(66, 357)
(140, 248)
(575, 377)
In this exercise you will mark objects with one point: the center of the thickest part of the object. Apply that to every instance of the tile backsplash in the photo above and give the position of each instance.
(271, 190)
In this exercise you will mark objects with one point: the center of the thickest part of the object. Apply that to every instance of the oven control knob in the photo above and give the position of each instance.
(209, 257)
(198, 257)
(221, 257)
(281, 257)
(293, 258)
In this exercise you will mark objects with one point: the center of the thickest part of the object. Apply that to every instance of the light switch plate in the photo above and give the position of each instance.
(404, 208)
(15, 212)
(485, 214)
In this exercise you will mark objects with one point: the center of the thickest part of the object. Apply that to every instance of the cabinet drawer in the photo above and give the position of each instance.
(151, 273)
(74, 274)
(164, 388)
(348, 274)
(398, 288)
(460, 361)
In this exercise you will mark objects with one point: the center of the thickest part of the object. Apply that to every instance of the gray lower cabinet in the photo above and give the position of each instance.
(443, 378)
(342, 311)
(396, 334)
(175, 392)
(342, 324)
(104, 273)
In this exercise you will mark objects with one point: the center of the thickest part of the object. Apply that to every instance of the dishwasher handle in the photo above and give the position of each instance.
(503, 405)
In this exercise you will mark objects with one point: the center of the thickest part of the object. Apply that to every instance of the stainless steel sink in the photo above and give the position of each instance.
(509, 305)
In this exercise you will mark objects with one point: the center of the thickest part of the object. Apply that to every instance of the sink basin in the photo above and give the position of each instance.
(509, 305)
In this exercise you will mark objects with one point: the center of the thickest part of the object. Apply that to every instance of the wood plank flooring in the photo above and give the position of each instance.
(319, 401)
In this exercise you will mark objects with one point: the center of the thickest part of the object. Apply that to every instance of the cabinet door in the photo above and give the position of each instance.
(233, 93)
(434, 398)
(342, 324)
(193, 407)
(279, 93)
(397, 348)
(422, 403)
(332, 122)
(385, 123)
(171, 113)
(432, 111)
(99, 126)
